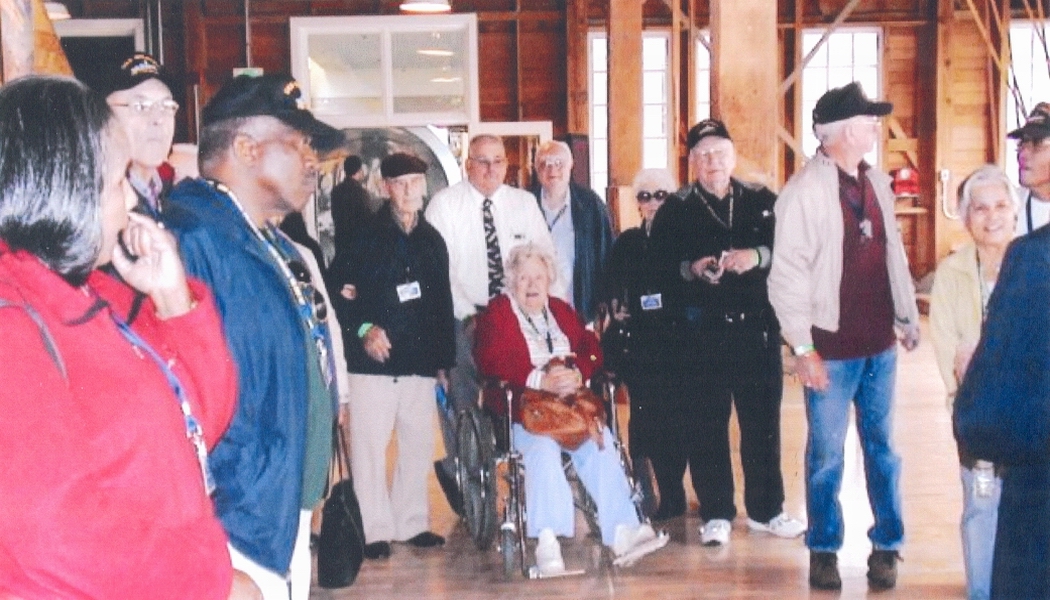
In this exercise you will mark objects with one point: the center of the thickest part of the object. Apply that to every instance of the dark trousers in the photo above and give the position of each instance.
(661, 429)
(741, 367)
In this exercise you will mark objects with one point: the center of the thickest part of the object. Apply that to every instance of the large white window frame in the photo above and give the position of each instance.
(849, 54)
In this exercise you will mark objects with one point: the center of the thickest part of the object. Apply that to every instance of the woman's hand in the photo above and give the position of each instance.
(561, 380)
(154, 268)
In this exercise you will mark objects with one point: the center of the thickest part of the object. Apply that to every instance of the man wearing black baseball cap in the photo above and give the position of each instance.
(721, 235)
(400, 340)
(258, 160)
(139, 92)
(840, 286)
(1033, 168)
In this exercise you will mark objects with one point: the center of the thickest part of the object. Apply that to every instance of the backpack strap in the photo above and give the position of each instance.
(45, 335)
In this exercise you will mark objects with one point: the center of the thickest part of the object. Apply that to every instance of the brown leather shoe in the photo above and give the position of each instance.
(882, 569)
(824, 571)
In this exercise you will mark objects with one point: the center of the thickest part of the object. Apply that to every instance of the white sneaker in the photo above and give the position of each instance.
(715, 532)
(548, 554)
(632, 543)
(782, 525)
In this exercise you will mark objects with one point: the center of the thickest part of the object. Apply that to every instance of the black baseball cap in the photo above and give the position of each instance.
(130, 72)
(705, 128)
(1036, 127)
(845, 102)
(272, 95)
(401, 163)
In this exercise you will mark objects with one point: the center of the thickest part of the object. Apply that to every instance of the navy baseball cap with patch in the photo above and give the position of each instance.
(705, 128)
(846, 102)
(130, 72)
(1036, 127)
(272, 95)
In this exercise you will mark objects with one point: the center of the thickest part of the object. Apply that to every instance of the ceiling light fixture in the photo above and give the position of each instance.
(426, 6)
(56, 11)
(446, 79)
(434, 52)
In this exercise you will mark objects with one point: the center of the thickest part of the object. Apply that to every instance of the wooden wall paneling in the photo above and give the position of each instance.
(496, 58)
(543, 73)
(577, 77)
(625, 105)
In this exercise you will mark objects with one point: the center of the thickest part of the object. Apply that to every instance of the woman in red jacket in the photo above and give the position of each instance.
(106, 425)
(517, 336)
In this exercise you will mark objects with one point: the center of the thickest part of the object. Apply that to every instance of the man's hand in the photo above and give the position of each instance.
(707, 268)
(740, 261)
(811, 371)
(377, 345)
(963, 354)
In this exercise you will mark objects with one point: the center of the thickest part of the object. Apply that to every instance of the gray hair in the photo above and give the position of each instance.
(982, 176)
(655, 179)
(551, 147)
(827, 132)
(53, 134)
(483, 138)
(519, 255)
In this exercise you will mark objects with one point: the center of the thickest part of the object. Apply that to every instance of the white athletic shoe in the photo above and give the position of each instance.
(715, 532)
(782, 525)
(632, 543)
(548, 554)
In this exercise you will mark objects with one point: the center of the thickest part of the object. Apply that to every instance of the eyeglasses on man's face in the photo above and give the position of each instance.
(166, 106)
(658, 195)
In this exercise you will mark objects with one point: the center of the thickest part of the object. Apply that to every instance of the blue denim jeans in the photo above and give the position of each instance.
(979, 519)
(868, 383)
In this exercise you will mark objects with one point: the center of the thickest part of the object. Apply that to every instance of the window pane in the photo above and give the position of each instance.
(869, 80)
(654, 53)
(654, 153)
(840, 50)
(654, 120)
(599, 53)
(599, 122)
(599, 89)
(839, 76)
(599, 154)
(866, 49)
(654, 87)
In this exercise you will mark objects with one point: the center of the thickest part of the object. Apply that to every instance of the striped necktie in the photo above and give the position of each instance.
(492, 246)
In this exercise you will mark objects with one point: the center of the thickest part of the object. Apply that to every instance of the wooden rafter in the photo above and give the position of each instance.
(986, 35)
(901, 142)
(839, 20)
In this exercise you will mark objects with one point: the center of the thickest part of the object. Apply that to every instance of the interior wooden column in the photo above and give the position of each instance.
(579, 115)
(745, 81)
(625, 105)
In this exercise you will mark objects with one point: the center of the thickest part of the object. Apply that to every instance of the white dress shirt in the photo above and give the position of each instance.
(456, 213)
(1032, 212)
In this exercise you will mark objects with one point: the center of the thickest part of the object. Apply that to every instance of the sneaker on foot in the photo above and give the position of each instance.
(548, 554)
(427, 539)
(715, 532)
(882, 569)
(781, 525)
(632, 543)
(824, 571)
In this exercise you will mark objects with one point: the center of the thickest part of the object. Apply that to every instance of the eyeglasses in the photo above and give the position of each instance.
(166, 106)
(489, 163)
(306, 285)
(659, 195)
(553, 163)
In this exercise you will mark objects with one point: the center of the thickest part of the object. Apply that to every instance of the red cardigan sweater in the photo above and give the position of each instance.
(101, 490)
(501, 352)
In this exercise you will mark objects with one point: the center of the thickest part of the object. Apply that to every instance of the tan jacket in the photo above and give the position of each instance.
(807, 253)
(955, 310)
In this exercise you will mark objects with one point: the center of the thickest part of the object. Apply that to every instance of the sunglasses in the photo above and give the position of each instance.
(660, 195)
(302, 276)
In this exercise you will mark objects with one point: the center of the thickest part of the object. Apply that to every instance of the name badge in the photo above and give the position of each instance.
(652, 302)
(408, 291)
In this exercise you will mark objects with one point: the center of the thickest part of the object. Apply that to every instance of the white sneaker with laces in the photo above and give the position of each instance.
(715, 532)
(782, 525)
(632, 543)
(548, 554)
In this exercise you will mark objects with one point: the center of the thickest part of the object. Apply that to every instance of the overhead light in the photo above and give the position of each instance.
(446, 79)
(434, 52)
(56, 11)
(426, 6)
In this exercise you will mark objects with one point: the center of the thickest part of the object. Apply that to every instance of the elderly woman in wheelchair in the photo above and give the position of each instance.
(538, 345)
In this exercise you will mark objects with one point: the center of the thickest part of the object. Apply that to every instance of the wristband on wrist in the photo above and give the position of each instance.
(758, 253)
(803, 349)
(363, 329)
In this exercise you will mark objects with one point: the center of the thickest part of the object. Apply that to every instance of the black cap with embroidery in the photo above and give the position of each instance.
(705, 128)
(845, 102)
(130, 72)
(1036, 127)
(273, 95)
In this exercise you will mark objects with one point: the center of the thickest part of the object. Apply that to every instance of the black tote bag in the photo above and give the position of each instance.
(341, 544)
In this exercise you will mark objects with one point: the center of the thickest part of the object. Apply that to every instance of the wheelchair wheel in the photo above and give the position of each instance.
(477, 476)
(508, 547)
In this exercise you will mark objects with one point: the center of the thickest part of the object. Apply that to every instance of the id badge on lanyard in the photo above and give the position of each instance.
(652, 301)
(409, 291)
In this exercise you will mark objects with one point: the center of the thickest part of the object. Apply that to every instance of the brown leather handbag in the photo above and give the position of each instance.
(570, 421)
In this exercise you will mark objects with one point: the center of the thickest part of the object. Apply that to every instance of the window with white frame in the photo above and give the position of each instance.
(655, 104)
(1031, 75)
(849, 54)
(702, 70)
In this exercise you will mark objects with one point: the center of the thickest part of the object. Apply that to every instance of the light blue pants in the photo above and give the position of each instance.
(548, 497)
(980, 517)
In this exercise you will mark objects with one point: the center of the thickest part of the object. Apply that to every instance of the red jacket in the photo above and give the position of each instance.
(101, 494)
(501, 352)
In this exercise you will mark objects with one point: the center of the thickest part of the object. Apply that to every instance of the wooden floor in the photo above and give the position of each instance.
(753, 565)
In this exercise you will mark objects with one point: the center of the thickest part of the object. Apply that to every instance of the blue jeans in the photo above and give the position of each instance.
(867, 383)
(979, 519)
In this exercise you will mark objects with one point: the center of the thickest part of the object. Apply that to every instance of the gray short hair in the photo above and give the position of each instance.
(656, 179)
(827, 132)
(483, 138)
(517, 257)
(551, 147)
(53, 134)
(982, 176)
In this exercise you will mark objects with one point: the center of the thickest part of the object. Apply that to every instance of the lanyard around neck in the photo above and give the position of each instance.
(546, 322)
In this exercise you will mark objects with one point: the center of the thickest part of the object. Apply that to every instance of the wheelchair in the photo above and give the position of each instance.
(491, 476)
